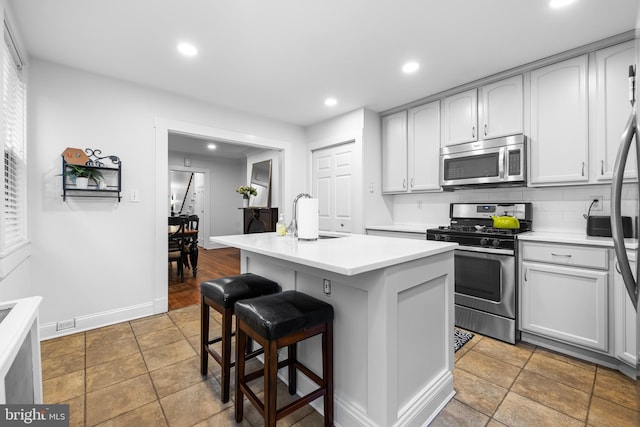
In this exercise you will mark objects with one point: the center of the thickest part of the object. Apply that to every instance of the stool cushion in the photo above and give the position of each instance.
(278, 315)
(227, 290)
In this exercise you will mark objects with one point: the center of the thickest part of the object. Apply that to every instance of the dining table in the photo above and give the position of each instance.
(191, 237)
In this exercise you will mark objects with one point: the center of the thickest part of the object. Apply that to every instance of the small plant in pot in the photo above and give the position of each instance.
(246, 190)
(80, 175)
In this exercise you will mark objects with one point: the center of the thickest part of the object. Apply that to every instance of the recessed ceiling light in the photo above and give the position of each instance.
(187, 49)
(555, 4)
(211, 146)
(410, 67)
(330, 102)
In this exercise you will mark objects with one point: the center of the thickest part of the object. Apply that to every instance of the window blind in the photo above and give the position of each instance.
(13, 219)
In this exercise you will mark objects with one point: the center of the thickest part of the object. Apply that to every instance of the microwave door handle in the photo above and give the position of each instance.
(502, 163)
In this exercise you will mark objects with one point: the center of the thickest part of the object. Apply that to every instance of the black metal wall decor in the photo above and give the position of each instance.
(98, 176)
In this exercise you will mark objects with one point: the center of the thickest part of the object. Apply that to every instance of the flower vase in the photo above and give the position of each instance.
(245, 202)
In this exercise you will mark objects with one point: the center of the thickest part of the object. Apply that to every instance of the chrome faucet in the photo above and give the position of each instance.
(293, 226)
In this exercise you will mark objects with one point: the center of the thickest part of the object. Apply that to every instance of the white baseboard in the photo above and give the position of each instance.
(98, 320)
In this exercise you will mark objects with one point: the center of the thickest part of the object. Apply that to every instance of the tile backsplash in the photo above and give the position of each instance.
(554, 208)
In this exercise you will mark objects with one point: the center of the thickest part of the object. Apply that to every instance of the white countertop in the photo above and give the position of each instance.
(573, 238)
(405, 228)
(349, 255)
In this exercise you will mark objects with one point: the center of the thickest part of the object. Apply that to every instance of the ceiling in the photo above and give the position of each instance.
(197, 147)
(282, 58)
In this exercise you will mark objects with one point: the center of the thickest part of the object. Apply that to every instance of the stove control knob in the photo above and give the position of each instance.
(496, 243)
(447, 238)
(484, 242)
(437, 237)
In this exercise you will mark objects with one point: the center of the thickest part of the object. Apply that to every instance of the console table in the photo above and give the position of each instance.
(259, 220)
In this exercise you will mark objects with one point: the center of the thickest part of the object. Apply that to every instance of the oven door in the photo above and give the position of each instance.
(486, 281)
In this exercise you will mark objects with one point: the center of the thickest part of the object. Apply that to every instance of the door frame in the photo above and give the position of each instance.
(165, 126)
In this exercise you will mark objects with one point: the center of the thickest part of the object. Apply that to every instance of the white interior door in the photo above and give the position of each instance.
(333, 186)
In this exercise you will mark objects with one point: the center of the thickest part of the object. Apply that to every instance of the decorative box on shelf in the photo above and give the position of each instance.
(88, 174)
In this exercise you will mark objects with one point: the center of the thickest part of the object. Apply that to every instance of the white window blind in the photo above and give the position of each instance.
(13, 215)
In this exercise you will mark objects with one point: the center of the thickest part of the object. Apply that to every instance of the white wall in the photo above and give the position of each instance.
(93, 260)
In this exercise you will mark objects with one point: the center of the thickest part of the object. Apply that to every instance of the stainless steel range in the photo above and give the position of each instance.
(485, 265)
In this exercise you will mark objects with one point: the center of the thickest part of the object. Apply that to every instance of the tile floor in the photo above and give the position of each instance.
(147, 373)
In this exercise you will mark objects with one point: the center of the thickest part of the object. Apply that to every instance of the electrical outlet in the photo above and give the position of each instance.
(65, 324)
(597, 205)
(327, 286)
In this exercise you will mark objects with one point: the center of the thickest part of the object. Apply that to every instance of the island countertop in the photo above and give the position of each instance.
(348, 254)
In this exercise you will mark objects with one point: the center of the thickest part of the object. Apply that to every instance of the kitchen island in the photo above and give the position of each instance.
(393, 326)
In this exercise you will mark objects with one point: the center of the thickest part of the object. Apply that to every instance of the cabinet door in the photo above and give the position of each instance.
(500, 108)
(424, 147)
(559, 120)
(612, 108)
(624, 319)
(565, 303)
(394, 153)
(460, 118)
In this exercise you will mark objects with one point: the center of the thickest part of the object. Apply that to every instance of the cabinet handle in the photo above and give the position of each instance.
(485, 129)
(618, 268)
(562, 255)
(526, 277)
(582, 168)
(601, 167)
(411, 182)
(404, 184)
(473, 131)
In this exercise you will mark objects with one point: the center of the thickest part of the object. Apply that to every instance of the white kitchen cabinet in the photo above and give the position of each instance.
(490, 111)
(424, 147)
(624, 318)
(394, 153)
(411, 150)
(611, 108)
(558, 137)
(460, 118)
(500, 108)
(560, 299)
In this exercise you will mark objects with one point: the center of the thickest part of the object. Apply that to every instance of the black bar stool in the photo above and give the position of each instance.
(276, 321)
(221, 294)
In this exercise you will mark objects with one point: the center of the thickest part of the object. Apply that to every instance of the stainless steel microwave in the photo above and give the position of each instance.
(498, 162)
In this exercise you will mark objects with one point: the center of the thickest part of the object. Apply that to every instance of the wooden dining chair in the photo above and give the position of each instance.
(177, 242)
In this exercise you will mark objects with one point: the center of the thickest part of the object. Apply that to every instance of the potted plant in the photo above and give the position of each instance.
(246, 190)
(80, 175)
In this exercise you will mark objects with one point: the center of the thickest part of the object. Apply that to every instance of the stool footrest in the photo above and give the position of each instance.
(216, 356)
(304, 400)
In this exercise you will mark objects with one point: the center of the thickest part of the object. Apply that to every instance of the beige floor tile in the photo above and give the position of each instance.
(190, 328)
(494, 423)
(169, 354)
(618, 388)
(561, 371)
(283, 399)
(226, 418)
(178, 376)
(553, 394)
(149, 324)
(76, 411)
(97, 354)
(518, 411)
(477, 393)
(603, 413)
(314, 419)
(179, 407)
(457, 414)
(63, 345)
(147, 415)
(109, 334)
(115, 371)
(63, 387)
(461, 352)
(564, 358)
(159, 338)
(120, 398)
(186, 314)
(56, 366)
(488, 368)
(516, 355)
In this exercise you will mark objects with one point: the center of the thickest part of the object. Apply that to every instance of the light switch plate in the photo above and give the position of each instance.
(134, 196)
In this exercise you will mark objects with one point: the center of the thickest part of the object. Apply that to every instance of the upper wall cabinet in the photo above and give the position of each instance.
(394, 153)
(558, 139)
(610, 109)
(424, 147)
(500, 108)
(411, 149)
(460, 118)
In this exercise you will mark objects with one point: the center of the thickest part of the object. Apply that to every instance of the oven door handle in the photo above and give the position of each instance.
(482, 250)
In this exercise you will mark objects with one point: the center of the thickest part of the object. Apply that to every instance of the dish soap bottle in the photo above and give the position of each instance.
(281, 227)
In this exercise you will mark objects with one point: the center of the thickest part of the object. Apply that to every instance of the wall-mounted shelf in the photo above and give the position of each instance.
(108, 167)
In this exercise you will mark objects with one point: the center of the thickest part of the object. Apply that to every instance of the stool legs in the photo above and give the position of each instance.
(241, 349)
(270, 384)
(223, 359)
(327, 373)
(293, 358)
(226, 352)
(204, 337)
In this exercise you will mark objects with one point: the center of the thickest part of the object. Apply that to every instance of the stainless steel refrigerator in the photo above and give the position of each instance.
(630, 137)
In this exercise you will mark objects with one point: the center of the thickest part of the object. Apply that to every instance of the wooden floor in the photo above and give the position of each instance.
(212, 263)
